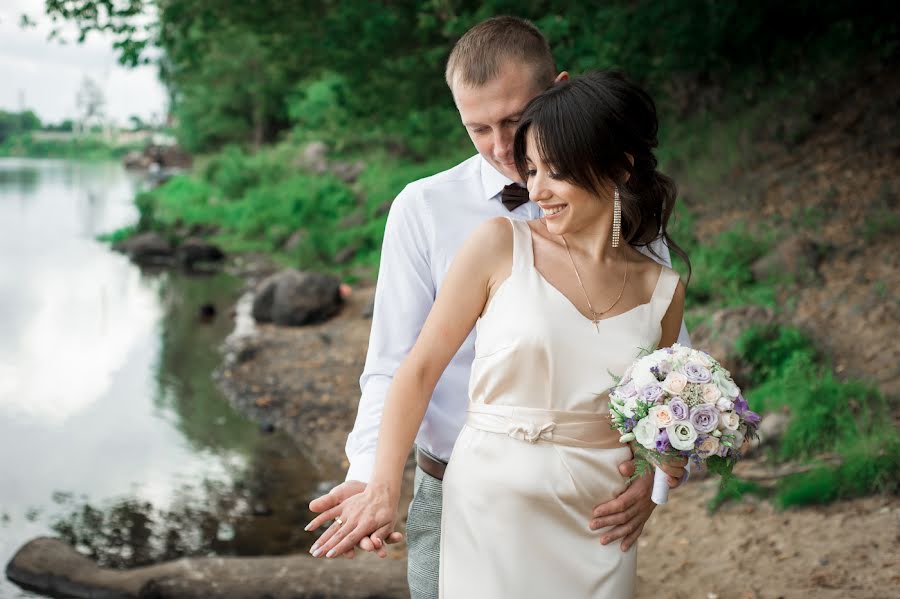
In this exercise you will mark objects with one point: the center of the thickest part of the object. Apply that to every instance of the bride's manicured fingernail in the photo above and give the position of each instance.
(330, 553)
(306, 528)
(315, 552)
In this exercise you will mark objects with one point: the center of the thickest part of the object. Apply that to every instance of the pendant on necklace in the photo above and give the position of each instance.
(596, 325)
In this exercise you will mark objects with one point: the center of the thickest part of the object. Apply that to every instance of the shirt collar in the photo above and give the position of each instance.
(492, 180)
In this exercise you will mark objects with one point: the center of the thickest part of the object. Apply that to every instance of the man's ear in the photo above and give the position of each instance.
(563, 76)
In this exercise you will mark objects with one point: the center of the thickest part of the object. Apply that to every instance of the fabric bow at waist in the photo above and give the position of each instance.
(534, 425)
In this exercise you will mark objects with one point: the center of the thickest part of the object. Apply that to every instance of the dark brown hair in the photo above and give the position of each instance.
(585, 129)
(480, 53)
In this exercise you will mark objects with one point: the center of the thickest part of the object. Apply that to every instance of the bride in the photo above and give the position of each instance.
(562, 305)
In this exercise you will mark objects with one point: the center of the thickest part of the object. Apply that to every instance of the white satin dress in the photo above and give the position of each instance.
(537, 452)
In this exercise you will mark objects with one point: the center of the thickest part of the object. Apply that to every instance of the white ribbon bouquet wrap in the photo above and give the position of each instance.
(679, 402)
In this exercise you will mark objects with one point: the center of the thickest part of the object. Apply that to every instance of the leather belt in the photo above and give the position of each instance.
(430, 465)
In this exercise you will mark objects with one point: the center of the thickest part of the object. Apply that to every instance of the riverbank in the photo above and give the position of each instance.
(304, 381)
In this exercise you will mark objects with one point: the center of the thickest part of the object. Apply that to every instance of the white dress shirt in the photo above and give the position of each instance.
(426, 226)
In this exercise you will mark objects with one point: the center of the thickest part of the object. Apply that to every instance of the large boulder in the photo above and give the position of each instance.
(295, 298)
(147, 249)
(53, 568)
(194, 252)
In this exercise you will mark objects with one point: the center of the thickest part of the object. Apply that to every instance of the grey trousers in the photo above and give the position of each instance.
(423, 537)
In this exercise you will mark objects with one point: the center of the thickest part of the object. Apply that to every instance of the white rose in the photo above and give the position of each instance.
(711, 393)
(729, 420)
(661, 416)
(675, 383)
(708, 446)
(645, 433)
(725, 384)
(682, 435)
(641, 374)
(628, 407)
(725, 404)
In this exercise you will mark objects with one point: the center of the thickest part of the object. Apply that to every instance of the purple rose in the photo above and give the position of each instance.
(722, 451)
(696, 373)
(705, 418)
(678, 408)
(651, 393)
(740, 404)
(662, 441)
(751, 418)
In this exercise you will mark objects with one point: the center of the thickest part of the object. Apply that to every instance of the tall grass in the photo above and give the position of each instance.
(846, 427)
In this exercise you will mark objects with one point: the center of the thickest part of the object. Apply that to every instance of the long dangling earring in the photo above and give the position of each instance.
(617, 219)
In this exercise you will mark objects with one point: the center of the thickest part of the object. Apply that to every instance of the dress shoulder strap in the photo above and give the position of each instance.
(663, 293)
(523, 257)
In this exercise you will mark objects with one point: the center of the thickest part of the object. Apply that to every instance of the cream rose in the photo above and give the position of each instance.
(675, 383)
(729, 420)
(702, 358)
(661, 416)
(711, 393)
(708, 446)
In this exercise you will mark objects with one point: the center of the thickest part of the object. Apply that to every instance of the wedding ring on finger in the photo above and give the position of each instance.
(339, 521)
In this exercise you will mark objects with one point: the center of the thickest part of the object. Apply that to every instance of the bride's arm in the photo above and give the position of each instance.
(482, 263)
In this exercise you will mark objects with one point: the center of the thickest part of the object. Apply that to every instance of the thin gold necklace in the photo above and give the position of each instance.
(595, 316)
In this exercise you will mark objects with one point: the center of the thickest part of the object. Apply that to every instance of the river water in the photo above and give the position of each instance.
(112, 434)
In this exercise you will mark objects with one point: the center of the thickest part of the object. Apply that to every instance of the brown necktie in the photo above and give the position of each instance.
(513, 196)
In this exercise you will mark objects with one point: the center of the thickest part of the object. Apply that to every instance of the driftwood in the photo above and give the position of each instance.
(50, 566)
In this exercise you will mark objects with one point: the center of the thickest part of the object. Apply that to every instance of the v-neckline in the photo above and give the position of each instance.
(571, 304)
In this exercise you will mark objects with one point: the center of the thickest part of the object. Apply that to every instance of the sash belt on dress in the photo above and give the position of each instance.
(534, 425)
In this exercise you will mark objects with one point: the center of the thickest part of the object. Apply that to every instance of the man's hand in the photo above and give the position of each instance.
(628, 512)
(330, 506)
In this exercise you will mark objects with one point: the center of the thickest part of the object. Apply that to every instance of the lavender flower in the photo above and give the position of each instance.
(705, 418)
(696, 373)
(651, 393)
(662, 441)
(751, 418)
(679, 409)
(740, 404)
(629, 424)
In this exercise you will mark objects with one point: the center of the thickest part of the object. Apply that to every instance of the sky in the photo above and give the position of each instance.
(45, 76)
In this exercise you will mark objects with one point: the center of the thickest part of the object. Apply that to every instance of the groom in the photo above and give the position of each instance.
(494, 70)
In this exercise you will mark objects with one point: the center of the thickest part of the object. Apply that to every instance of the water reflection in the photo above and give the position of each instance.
(254, 513)
(123, 444)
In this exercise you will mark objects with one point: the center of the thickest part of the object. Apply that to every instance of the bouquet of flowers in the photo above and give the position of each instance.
(680, 402)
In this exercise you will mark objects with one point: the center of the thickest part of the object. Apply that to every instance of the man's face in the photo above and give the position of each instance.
(491, 113)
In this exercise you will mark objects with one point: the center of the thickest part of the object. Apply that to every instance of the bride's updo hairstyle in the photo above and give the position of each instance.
(586, 129)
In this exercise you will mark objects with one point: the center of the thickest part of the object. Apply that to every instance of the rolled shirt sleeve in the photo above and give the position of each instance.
(404, 294)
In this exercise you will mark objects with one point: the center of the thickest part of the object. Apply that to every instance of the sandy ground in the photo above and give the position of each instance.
(304, 381)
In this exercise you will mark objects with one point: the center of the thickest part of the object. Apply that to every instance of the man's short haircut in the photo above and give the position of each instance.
(480, 53)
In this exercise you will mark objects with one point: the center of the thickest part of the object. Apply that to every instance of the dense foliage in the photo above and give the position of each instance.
(244, 71)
